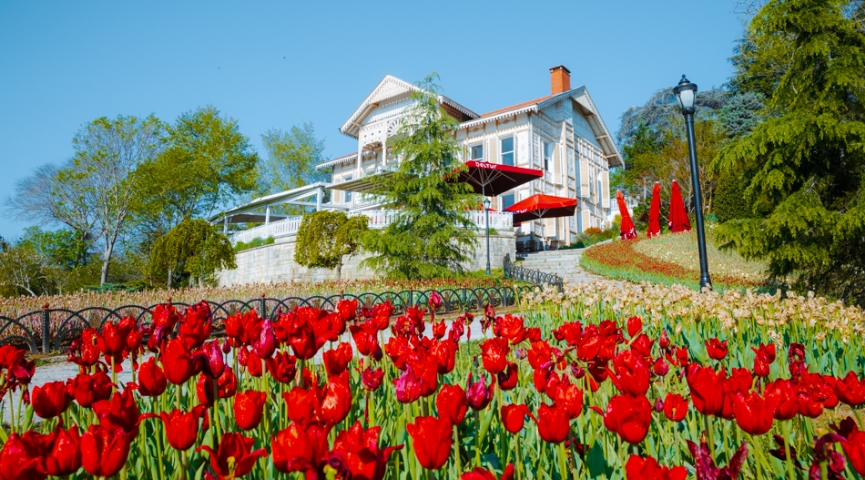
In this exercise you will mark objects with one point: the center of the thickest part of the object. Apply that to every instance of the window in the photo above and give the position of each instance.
(508, 151)
(347, 193)
(507, 201)
(548, 155)
(476, 152)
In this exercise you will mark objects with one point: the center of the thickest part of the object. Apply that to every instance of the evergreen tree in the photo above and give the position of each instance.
(431, 235)
(805, 162)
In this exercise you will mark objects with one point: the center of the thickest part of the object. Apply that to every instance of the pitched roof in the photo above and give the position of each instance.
(517, 106)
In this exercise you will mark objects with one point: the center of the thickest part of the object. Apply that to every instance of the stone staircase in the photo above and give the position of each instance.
(564, 263)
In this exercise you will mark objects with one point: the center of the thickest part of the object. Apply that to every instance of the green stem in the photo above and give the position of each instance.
(789, 461)
(563, 464)
(457, 449)
(710, 432)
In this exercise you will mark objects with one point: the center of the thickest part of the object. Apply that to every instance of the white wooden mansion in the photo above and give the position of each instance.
(561, 133)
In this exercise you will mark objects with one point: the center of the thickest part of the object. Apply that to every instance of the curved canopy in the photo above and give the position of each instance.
(493, 179)
(540, 206)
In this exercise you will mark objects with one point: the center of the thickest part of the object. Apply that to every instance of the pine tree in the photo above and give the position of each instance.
(805, 162)
(431, 235)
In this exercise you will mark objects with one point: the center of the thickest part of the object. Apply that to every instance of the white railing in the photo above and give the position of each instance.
(377, 219)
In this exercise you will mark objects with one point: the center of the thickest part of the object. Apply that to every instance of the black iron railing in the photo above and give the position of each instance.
(53, 329)
(531, 276)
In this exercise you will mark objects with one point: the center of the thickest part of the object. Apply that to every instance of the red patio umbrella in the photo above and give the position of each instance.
(678, 215)
(540, 206)
(626, 229)
(492, 179)
(655, 212)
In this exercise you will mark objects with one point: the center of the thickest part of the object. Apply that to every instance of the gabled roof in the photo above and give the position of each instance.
(390, 87)
(581, 96)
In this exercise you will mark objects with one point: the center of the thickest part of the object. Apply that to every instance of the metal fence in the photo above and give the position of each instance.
(54, 329)
(531, 276)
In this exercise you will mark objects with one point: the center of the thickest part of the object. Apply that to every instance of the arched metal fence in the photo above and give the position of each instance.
(531, 276)
(53, 329)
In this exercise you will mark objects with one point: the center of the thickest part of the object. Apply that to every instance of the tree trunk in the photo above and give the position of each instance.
(170, 272)
(106, 260)
(339, 272)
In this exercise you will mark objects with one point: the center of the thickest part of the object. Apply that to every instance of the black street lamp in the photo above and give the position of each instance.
(487, 208)
(686, 94)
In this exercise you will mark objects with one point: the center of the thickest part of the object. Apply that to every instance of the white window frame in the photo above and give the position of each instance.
(513, 150)
(476, 145)
(549, 159)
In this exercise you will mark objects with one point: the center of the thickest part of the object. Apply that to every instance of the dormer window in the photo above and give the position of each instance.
(476, 152)
(507, 151)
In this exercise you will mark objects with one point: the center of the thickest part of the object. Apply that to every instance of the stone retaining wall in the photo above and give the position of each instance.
(275, 263)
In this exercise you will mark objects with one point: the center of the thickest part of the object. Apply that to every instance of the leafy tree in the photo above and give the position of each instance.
(22, 272)
(194, 246)
(741, 114)
(805, 164)
(92, 193)
(61, 248)
(291, 159)
(431, 234)
(207, 164)
(662, 113)
(326, 237)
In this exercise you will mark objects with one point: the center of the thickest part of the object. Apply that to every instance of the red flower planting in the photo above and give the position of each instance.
(234, 458)
(431, 441)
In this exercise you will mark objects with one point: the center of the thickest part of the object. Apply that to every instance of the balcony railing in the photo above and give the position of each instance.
(377, 219)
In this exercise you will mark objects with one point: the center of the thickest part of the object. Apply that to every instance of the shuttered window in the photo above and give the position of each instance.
(584, 179)
(605, 189)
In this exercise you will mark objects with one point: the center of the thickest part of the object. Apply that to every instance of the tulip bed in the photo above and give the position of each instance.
(574, 387)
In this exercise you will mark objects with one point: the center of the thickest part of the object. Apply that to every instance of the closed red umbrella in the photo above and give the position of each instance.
(540, 206)
(678, 215)
(626, 229)
(655, 212)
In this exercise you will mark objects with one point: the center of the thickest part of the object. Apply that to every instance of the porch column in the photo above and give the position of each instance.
(225, 225)
(319, 195)
(267, 215)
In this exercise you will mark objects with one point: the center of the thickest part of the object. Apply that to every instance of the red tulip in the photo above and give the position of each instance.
(112, 341)
(50, 400)
(151, 379)
(716, 349)
(104, 449)
(432, 438)
(213, 363)
(363, 457)
(445, 355)
(365, 337)
(569, 397)
(631, 373)
(347, 309)
(451, 403)
(233, 459)
(301, 447)
(481, 473)
(851, 390)
(648, 468)
(87, 389)
(282, 366)
(675, 407)
(251, 361)
(635, 326)
(335, 403)
(660, 367)
(753, 413)
(494, 353)
(642, 345)
(181, 428)
(782, 395)
(765, 355)
(664, 341)
(121, 411)
(265, 344)
(83, 352)
(63, 455)
(553, 423)
(705, 464)
(226, 387)
(407, 386)
(16, 463)
(336, 360)
(439, 329)
(705, 385)
(478, 395)
(179, 366)
(300, 404)
(629, 417)
(514, 417)
(248, 408)
(854, 447)
(372, 379)
(508, 377)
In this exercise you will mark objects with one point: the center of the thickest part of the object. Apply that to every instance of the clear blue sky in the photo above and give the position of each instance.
(272, 64)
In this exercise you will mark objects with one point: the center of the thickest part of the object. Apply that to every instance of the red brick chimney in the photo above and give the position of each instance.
(560, 79)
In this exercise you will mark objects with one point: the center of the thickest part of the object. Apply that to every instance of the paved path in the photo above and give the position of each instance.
(564, 263)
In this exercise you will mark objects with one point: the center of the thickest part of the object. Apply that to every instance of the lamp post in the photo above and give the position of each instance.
(487, 208)
(686, 94)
